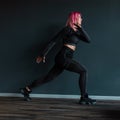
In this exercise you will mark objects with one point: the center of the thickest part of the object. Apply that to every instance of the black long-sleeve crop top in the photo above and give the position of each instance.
(68, 36)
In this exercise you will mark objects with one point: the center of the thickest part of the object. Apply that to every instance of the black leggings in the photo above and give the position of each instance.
(68, 64)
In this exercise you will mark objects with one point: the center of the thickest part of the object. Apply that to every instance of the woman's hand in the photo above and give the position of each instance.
(40, 59)
(77, 26)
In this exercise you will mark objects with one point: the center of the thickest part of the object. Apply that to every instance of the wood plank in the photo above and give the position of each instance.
(57, 109)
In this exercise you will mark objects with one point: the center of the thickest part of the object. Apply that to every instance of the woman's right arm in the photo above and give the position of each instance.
(48, 47)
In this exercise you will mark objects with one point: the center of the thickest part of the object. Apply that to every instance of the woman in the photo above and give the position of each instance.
(71, 34)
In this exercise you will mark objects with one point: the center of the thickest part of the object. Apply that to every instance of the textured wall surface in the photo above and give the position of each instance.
(25, 27)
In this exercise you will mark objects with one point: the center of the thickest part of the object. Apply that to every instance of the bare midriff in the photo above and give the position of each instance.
(70, 46)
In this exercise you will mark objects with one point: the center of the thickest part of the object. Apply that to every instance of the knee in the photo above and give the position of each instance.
(83, 71)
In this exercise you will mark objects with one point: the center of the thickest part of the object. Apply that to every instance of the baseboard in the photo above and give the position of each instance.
(60, 96)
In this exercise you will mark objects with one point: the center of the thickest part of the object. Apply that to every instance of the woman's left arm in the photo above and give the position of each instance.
(82, 34)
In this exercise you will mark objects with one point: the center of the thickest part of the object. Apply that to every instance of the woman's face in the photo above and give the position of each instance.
(79, 22)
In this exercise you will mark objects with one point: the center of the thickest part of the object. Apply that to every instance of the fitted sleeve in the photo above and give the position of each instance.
(82, 34)
(51, 43)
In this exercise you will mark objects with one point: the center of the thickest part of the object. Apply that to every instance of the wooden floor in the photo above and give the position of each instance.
(57, 109)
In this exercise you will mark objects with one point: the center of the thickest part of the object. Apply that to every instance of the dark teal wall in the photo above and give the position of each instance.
(25, 27)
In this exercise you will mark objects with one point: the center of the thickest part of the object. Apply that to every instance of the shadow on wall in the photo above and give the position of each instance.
(35, 50)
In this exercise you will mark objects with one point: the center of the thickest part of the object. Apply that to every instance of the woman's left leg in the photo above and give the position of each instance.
(52, 74)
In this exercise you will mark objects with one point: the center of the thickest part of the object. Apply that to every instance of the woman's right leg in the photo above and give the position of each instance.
(52, 74)
(80, 69)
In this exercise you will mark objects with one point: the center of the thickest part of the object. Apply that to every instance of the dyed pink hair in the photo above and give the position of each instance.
(72, 19)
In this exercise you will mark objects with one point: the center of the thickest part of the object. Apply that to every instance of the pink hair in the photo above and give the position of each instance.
(72, 18)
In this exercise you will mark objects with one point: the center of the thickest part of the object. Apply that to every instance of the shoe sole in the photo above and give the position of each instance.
(87, 103)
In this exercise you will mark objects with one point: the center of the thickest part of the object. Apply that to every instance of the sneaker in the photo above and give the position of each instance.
(86, 100)
(26, 94)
